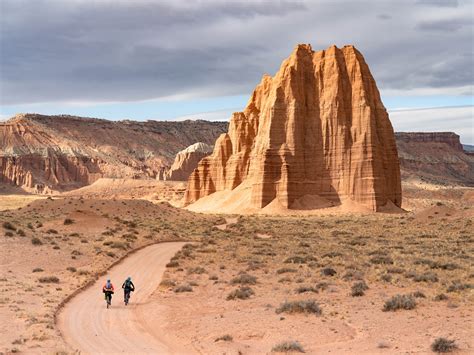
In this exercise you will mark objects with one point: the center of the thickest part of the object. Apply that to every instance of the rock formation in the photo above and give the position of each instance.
(316, 130)
(434, 157)
(44, 153)
(186, 161)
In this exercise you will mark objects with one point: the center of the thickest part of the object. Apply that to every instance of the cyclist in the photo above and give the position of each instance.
(128, 287)
(108, 290)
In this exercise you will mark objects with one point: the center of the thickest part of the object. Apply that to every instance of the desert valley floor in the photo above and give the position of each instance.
(240, 283)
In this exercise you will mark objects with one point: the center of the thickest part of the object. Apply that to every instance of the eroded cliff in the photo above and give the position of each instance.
(317, 130)
(43, 153)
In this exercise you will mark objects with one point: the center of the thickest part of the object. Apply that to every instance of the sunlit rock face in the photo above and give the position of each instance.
(317, 128)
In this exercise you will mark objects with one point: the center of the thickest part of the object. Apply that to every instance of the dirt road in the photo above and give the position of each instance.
(89, 327)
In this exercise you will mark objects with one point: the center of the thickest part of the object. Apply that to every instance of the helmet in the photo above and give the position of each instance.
(108, 280)
(129, 278)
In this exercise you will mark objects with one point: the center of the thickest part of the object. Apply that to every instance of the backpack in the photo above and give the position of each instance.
(128, 284)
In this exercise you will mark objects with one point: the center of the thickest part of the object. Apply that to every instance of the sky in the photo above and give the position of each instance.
(177, 60)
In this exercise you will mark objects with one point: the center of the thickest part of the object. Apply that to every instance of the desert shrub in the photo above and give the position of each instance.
(183, 288)
(395, 270)
(8, 234)
(446, 266)
(440, 297)
(285, 270)
(167, 283)
(49, 279)
(332, 254)
(213, 278)
(226, 337)
(304, 306)
(8, 226)
(418, 294)
(52, 231)
(36, 241)
(242, 293)
(322, 286)
(172, 264)
(458, 286)
(386, 277)
(21, 232)
(358, 289)
(29, 225)
(196, 270)
(327, 271)
(288, 347)
(110, 253)
(426, 277)
(119, 245)
(295, 260)
(443, 345)
(71, 268)
(381, 259)
(68, 221)
(244, 279)
(353, 275)
(38, 269)
(303, 289)
(399, 302)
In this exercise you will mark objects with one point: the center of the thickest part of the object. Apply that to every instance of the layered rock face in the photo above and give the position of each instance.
(186, 161)
(44, 153)
(435, 157)
(318, 127)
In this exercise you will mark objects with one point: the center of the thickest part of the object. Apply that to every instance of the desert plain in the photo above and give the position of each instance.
(247, 283)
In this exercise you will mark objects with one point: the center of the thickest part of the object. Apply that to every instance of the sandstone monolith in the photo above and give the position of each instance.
(317, 130)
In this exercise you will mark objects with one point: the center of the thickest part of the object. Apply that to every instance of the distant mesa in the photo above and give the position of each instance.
(314, 135)
(435, 157)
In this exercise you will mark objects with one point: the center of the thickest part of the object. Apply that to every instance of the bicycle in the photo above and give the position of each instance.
(108, 298)
(127, 297)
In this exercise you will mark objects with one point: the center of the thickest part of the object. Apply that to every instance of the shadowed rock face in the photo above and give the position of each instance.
(43, 153)
(318, 127)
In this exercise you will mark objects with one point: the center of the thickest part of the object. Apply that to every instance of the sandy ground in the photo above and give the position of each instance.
(432, 241)
(89, 327)
(43, 259)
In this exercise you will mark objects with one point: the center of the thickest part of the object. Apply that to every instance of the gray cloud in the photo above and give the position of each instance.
(96, 51)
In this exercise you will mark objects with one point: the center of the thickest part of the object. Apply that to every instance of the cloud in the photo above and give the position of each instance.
(118, 51)
(445, 119)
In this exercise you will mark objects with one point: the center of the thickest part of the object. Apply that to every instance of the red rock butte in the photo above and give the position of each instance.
(316, 131)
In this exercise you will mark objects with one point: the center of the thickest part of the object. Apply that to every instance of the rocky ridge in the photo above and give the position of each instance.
(435, 157)
(53, 153)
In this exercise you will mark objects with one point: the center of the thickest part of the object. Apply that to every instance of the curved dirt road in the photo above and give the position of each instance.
(89, 327)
